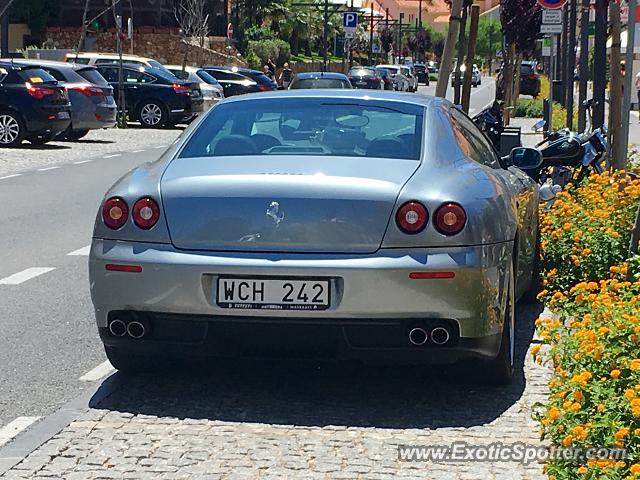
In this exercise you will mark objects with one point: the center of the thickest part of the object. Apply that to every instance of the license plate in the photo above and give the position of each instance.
(273, 294)
(63, 115)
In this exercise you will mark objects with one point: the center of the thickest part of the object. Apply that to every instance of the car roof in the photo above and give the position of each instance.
(32, 62)
(107, 55)
(340, 76)
(354, 94)
(188, 68)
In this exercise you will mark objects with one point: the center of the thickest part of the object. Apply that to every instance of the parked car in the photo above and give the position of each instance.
(320, 80)
(400, 80)
(33, 105)
(476, 76)
(529, 80)
(232, 82)
(408, 72)
(365, 77)
(384, 74)
(422, 73)
(92, 103)
(265, 84)
(212, 91)
(325, 205)
(433, 66)
(94, 58)
(153, 96)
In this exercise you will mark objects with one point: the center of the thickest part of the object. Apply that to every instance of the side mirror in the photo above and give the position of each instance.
(525, 158)
(539, 125)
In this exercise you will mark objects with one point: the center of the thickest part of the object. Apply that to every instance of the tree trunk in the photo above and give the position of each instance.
(471, 53)
(83, 31)
(516, 80)
(615, 90)
(508, 83)
(449, 46)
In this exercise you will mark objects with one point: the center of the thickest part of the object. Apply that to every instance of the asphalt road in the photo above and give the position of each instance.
(48, 338)
(481, 96)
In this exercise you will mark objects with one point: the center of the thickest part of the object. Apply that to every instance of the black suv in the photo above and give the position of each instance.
(154, 96)
(233, 83)
(33, 105)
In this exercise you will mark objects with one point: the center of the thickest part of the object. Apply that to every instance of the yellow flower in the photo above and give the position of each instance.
(621, 434)
(567, 441)
(615, 373)
(579, 396)
(635, 364)
(600, 407)
(554, 413)
(635, 468)
(630, 393)
(535, 349)
(582, 470)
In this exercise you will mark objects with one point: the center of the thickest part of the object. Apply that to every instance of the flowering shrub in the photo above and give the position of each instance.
(594, 340)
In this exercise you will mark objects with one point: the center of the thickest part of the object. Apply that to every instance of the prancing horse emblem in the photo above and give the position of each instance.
(273, 212)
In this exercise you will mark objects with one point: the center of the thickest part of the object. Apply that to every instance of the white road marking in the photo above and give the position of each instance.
(81, 162)
(97, 373)
(11, 176)
(47, 168)
(84, 251)
(23, 276)
(160, 146)
(137, 151)
(9, 431)
(114, 155)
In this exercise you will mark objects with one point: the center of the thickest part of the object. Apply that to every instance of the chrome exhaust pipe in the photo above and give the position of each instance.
(117, 328)
(418, 336)
(136, 329)
(440, 335)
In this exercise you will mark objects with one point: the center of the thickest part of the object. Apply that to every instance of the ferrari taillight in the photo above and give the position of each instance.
(450, 219)
(146, 213)
(412, 217)
(115, 212)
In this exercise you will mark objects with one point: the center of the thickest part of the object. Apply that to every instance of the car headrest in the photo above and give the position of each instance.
(234, 145)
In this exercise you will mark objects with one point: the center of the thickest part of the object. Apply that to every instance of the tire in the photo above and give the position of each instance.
(499, 371)
(152, 114)
(131, 363)
(12, 129)
(76, 134)
(40, 139)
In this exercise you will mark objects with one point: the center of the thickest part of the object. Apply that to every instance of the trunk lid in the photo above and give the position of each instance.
(282, 203)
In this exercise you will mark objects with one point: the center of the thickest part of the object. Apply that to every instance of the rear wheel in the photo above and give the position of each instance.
(12, 129)
(77, 134)
(499, 371)
(152, 114)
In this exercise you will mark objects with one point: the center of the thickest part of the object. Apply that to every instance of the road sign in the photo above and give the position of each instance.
(230, 31)
(552, 3)
(551, 17)
(349, 22)
(550, 29)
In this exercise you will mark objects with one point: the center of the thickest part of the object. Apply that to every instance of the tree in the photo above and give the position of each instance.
(449, 45)
(386, 37)
(420, 43)
(193, 20)
(489, 38)
(521, 26)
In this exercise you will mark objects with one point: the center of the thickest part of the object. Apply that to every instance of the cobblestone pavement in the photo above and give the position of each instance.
(267, 419)
(96, 143)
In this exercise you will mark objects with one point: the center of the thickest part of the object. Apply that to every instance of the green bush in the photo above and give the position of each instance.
(259, 33)
(278, 50)
(528, 107)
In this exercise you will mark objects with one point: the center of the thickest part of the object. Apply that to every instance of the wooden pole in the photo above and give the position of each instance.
(449, 46)
(628, 78)
(471, 53)
(615, 88)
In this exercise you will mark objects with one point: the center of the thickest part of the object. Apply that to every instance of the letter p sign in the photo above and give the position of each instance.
(349, 21)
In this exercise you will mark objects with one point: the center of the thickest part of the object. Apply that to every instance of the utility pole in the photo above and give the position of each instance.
(584, 65)
(4, 34)
(449, 45)
(600, 62)
(571, 61)
(628, 79)
(371, 37)
(615, 89)
(471, 53)
(400, 36)
(563, 56)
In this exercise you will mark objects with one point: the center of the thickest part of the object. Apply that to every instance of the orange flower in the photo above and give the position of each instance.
(615, 373)
(567, 441)
(582, 470)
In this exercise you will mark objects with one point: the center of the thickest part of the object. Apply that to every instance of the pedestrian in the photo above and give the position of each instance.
(272, 67)
(267, 71)
(286, 75)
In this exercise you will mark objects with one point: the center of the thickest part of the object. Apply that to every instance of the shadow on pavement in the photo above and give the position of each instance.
(312, 394)
(46, 146)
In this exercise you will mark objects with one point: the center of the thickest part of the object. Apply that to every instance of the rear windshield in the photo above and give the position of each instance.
(72, 59)
(35, 76)
(362, 72)
(91, 75)
(206, 77)
(320, 83)
(392, 70)
(309, 126)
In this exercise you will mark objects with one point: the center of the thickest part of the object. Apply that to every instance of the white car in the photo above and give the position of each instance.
(398, 73)
(476, 76)
(93, 58)
(211, 89)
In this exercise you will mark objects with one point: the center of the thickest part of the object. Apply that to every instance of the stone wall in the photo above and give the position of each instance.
(162, 44)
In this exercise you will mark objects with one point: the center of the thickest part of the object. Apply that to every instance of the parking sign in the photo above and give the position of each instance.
(349, 22)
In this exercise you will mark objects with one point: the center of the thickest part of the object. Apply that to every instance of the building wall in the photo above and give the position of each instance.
(17, 32)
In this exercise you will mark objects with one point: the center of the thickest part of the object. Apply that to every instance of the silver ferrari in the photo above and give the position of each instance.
(366, 225)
